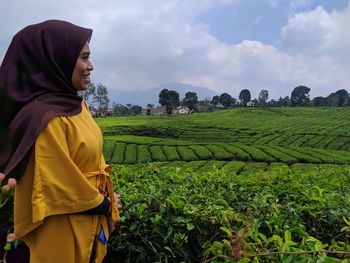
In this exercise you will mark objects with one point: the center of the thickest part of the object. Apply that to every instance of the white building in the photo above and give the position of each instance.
(183, 110)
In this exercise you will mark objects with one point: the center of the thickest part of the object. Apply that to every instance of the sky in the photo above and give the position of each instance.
(224, 45)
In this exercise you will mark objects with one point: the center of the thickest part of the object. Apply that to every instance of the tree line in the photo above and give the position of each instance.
(299, 98)
(170, 99)
(97, 96)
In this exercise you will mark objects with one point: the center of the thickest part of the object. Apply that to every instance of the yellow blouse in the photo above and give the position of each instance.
(66, 174)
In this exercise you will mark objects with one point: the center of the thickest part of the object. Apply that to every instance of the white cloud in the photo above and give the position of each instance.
(253, 65)
(308, 33)
(142, 44)
(321, 41)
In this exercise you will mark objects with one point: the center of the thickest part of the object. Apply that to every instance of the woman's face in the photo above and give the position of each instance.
(83, 67)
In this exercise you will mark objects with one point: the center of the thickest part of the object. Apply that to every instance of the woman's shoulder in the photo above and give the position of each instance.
(68, 121)
(57, 123)
(85, 104)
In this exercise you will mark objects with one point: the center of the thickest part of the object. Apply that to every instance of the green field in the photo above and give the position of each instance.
(291, 135)
(238, 185)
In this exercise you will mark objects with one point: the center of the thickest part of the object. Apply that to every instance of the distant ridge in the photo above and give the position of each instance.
(143, 97)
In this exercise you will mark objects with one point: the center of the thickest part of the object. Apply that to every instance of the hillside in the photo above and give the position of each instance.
(288, 135)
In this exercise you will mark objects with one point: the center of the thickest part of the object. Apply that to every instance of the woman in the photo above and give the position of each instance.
(64, 207)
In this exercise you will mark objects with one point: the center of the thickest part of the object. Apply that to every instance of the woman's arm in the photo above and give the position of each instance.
(59, 186)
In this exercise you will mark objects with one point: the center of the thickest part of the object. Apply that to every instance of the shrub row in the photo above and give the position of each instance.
(186, 153)
(130, 153)
(201, 151)
(237, 152)
(300, 156)
(278, 155)
(143, 154)
(157, 153)
(171, 153)
(109, 147)
(118, 154)
(219, 152)
(257, 154)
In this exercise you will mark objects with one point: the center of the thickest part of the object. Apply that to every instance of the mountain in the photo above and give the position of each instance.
(144, 97)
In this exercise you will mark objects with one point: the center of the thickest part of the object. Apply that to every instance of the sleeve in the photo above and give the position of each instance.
(101, 209)
(59, 186)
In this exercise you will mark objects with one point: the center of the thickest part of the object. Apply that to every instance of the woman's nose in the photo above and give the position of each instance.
(90, 66)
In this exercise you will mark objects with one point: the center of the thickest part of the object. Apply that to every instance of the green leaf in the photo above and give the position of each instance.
(190, 226)
(300, 231)
(227, 231)
(157, 219)
(169, 249)
(287, 236)
(222, 202)
(133, 227)
(180, 219)
(227, 243)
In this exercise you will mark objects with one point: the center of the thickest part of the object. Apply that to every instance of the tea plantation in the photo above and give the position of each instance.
(239, 185)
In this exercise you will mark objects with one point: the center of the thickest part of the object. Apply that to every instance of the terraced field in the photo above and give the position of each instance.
(287, 135)
(130, 150)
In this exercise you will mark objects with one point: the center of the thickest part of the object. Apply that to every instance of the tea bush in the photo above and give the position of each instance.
(171, 214)
(171, 153)
(157, 153)
(201, 151)
(143, 155)
(186, 153)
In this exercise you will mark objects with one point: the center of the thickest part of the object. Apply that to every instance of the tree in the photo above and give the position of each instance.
(319, 101)
(191, 100)
(101, 97)
(149, 109)
(226, 100)
(136, 109)
(286, 102)
(205, 105)
(274, 103)
(300, 96)
(215, 101)
(263, 97)
(255, 102)
(244, 96)
(333, 100)
(120, 110)
(343, 95)
(170, 99)
(85, 94)
(347, 102)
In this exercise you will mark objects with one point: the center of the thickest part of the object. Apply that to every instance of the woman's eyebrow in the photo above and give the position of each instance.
(85, 53)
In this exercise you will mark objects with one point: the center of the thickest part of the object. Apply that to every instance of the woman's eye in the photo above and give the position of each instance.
(85, 56)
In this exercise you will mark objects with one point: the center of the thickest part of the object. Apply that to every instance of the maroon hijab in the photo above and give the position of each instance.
(35, 86)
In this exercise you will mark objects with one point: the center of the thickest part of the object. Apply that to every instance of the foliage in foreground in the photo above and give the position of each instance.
(171, 214)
